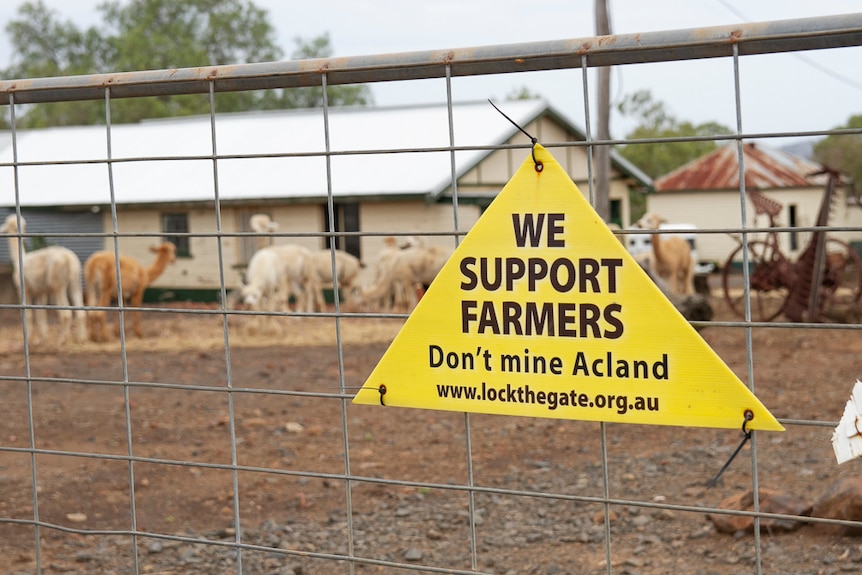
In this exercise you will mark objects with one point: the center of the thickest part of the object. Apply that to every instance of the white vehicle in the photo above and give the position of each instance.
(640, 244)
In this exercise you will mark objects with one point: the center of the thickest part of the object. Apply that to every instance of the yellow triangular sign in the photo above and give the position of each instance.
(542, 312)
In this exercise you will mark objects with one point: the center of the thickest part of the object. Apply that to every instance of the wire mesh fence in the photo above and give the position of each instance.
(217, 435)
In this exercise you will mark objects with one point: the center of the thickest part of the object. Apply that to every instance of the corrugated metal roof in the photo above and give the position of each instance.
(158, 178)
(765, 168)
(145, 169)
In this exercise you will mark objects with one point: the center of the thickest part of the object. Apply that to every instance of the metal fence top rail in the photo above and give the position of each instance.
(688, 44)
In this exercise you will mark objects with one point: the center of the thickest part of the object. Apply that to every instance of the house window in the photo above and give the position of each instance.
(346, 220)
(616, 212)
(177, 223)
(794, 236)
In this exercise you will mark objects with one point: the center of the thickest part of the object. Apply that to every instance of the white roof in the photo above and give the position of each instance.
(146, 168)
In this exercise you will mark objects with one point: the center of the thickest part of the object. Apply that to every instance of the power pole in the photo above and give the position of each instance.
(602, 156)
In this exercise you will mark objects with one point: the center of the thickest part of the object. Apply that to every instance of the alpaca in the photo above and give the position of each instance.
(426, 263)
(347, 268)
(262, 224)
(297, 275)
(51, 275)
(100, 275)
(693, 307)
(390, 288)
(265, 283)
(277, 272)
(670, 257)
(402, 274)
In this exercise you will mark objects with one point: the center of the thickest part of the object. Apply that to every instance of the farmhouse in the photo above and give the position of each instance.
(389, 170)
(705, 192)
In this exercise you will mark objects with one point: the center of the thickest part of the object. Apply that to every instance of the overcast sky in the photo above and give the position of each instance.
(780, 93)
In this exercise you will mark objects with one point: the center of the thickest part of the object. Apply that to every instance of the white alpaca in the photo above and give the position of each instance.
(389, 289)
(401, 274)
(670, 257)
(51, 275)
(275, 273)
(298, 276)
(426, 263)
(264, 284)
(347, 268)
(262, 224)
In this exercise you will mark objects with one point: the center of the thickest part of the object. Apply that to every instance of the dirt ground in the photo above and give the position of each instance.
(800, 374)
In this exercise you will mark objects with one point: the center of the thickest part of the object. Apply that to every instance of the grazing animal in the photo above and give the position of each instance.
(347, 268)
(401, 274)
(428, 262)
(693, 307)
(275, 273)
(391, 289)
(263, 224)
(296, 270)
(264, 283)
(100, 275)
(670, 257)
(51, 275)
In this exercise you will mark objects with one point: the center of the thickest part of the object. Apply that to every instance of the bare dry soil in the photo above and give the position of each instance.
(72, 401)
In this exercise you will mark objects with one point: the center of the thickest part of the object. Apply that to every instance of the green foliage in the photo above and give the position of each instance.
(46, 46)
(637, 205)
(312, 97)
(160, 34)
(522, 93)
(39, 242)
(843, 152)
(154, 35)
(655, 121)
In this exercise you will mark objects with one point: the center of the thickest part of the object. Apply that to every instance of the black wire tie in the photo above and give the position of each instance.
(382, 390)
(537, 163)
(746, 435)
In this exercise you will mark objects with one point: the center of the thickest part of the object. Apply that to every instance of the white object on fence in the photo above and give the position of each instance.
(847, 437)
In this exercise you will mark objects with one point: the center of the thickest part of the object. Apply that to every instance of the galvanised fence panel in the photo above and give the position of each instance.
(223, 438)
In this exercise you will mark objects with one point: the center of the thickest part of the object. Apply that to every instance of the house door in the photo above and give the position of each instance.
(346, 220)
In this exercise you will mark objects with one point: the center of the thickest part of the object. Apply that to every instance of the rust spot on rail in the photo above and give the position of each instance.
(599, 42)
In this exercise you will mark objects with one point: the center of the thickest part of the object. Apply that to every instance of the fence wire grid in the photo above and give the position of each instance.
(348, 489)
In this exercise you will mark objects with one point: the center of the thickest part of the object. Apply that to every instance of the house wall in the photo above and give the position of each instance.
(497, 169)
(720, 209)
(493, 170)
(715, 209)
(849, 216)
(200, 271)
(414, 217)
(50, 225)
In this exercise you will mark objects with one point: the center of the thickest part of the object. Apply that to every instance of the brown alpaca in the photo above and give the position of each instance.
(100, 275)
(670, 257)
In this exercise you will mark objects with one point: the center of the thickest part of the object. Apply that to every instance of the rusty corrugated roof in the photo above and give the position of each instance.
(765, 168)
